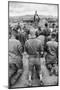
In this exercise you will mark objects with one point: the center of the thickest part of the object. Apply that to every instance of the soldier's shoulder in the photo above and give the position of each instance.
(49, 42)
(54, 43)
(18, 42)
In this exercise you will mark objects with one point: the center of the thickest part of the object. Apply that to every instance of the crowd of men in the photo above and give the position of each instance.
(35, 52)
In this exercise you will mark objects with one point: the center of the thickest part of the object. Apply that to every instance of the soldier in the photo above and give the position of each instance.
(33, 48)
(23, 36)
(38, 32)
(15, 59)
(18, 26)
(53, 27)
(52, 49)
(46, 32)
(36, 18)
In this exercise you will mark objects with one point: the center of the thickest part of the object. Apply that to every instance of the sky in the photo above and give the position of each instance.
(20, 9)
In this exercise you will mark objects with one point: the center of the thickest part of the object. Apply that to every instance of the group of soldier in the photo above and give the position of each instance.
(34, 52)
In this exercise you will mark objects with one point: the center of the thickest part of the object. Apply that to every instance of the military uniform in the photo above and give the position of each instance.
(46, 32)
(33, 47)
(36, 19)
(51, 57)
(15, 57)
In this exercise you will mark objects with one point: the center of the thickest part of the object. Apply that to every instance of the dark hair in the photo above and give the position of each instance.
(39, 28)
(14, 32)
(46, 25)
(53, 35)
(53, 25)
(56, 26)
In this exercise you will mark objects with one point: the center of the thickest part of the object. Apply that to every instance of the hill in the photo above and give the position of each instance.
(20, 18)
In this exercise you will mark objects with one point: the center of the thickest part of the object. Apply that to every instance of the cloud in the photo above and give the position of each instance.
(19, 9)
